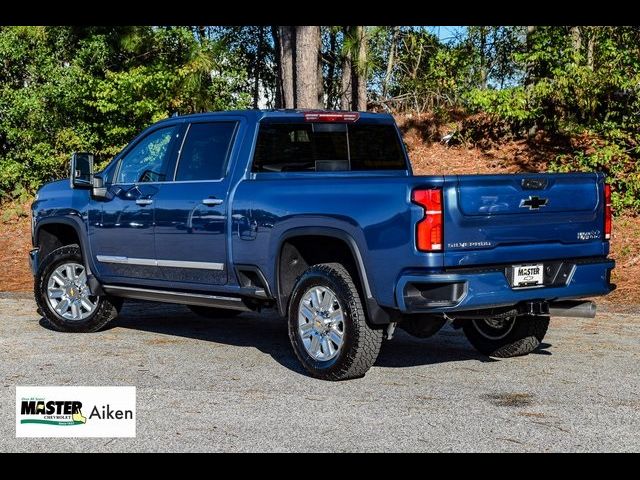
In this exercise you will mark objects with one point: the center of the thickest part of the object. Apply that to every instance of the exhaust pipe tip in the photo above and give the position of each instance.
(573, 308)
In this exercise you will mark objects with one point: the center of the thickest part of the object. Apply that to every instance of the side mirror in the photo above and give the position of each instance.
(98, 190)
(81, 170)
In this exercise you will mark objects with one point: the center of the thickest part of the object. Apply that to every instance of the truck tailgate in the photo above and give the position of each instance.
(492, 219)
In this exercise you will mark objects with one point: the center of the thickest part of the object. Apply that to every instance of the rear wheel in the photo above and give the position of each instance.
(327, 325)
(212, 312)
(508, 336)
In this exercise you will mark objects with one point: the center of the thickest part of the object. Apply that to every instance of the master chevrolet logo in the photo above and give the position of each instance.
(54, 412)
(75, 411)
(533, 203)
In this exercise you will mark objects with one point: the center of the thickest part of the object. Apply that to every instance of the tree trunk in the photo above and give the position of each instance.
(590, 44)
(576, 40)
(202, 33)
(320, 70)
(287, 54)
(306, 66)
(346, 93)
(276, 51)
(529, 78)
(332, 58)
(529, 67)
(259, 59)
(416, 64)
(346, 96)
(483, 58)
(390, 62)
(359, 73)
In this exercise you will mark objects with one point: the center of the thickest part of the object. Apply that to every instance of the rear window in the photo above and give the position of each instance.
(310, 147)
(205, 151)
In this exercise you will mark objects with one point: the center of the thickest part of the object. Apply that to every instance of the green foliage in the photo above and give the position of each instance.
(251, 47)
(622, 169)
(420, 76)
(510, 104)
(430, 74)
(578, 81)
(65, 89)
(568, 82)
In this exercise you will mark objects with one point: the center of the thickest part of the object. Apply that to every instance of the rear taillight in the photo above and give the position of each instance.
(607, 212)
(429, 229)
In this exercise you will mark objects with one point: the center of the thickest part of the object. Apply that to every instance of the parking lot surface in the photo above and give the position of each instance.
(235, 385)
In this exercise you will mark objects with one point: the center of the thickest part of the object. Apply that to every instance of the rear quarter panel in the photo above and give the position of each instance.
(374, 210)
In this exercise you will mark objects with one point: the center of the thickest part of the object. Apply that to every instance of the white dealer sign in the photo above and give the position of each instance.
(75, 411)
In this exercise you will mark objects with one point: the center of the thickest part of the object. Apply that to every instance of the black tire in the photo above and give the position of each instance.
(360, 342)
(520, 336)
(212, 312)
(105, 311)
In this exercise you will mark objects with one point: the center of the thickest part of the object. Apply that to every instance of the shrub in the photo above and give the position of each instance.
(622, 169)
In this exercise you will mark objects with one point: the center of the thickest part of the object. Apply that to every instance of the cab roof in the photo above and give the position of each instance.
(258, 115)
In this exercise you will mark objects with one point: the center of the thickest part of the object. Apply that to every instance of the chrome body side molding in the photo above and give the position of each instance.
(150, 262)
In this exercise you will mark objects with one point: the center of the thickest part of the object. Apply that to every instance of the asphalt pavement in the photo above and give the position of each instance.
(235, 385)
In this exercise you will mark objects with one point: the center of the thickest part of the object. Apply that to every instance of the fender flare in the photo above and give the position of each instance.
(374, 312)
(75, 222)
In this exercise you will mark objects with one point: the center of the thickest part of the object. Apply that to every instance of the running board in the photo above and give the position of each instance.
(203, 300)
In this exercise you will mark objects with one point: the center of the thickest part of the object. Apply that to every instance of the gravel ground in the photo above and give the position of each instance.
(234, 385)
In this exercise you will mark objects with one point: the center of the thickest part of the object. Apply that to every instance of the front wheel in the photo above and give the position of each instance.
(327, 325)
(63, 296)
(506, 337)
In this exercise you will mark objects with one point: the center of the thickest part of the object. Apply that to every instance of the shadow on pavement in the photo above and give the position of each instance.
(448, 345)
(268, 333)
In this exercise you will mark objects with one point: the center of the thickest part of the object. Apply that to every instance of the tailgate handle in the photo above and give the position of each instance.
(534, 183)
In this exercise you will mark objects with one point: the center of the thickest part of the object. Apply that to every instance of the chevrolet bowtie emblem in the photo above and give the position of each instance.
(533, 203)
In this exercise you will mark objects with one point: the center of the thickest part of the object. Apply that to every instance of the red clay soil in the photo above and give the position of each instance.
(15, 243)
(428, 157)
(429, 154)
(625, 249)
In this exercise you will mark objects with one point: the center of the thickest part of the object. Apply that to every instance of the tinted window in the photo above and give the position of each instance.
(205, 151)
(147, 161)
(375, 147)
(299, 147)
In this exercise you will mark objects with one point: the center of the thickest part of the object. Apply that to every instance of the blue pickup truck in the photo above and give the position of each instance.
(318, 215)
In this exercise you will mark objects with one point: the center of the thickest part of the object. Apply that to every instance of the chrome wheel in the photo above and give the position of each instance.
(68, 293)
(321, 323)
(495, 328)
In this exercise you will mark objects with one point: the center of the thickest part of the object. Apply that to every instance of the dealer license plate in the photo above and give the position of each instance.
(528, 275)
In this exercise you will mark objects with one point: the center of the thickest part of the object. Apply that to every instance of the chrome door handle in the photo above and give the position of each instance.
(212, 201)
(144, 201)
